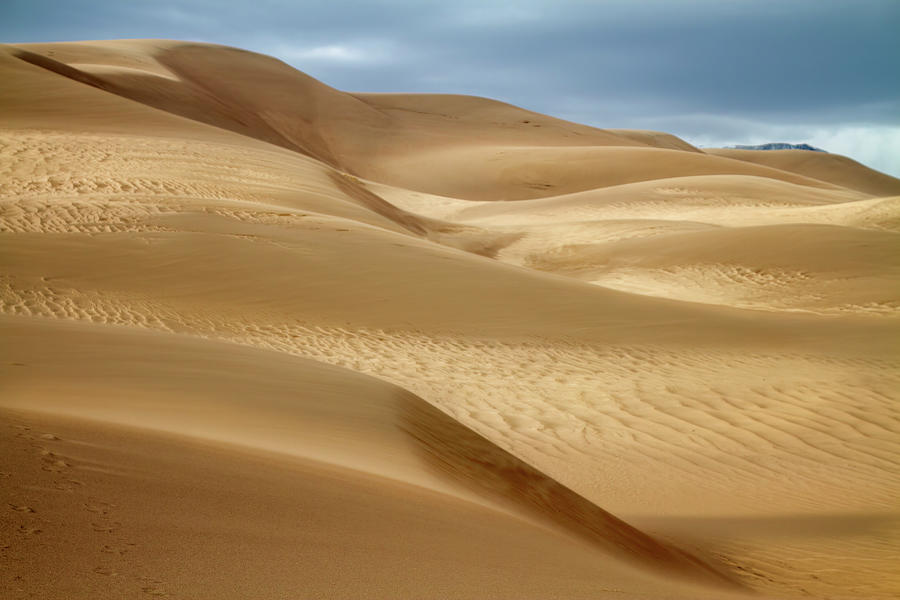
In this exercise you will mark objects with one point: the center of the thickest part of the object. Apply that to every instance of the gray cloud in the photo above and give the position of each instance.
(725, 70)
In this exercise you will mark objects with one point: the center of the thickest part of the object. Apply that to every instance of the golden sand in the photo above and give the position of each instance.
(262, 338)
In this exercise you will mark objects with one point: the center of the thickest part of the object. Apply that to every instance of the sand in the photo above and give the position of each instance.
(264, 338)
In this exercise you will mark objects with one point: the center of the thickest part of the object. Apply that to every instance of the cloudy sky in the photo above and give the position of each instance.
(715, 72)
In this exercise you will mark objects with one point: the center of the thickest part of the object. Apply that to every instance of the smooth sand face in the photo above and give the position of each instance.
(832, 168)
(292, 341)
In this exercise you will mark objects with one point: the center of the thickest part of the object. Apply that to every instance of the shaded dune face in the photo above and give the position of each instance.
(334, 417)
(214, 85)
(199, 102)
(526, 355)
(297, 112)
(475, 463)
(355, 190)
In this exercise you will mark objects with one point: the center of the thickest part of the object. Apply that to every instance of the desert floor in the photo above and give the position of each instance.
(262, 338)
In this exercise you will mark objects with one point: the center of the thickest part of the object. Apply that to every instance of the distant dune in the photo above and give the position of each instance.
(264, 338)
(832, 168)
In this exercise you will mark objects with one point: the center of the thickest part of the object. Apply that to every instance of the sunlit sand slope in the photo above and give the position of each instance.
(833, 168)
(289, 334)
(351, 431)
(420, 142)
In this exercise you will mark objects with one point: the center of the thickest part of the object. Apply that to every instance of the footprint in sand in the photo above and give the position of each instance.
(53, 462)
(98, 506)
(68, 485)
(106, 549)
(28, 532)
(55, 466)
(106, 527)
(151, 587)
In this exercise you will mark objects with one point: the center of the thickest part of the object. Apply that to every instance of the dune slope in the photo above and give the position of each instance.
(394, 345)
(349, 430)
(833, 168)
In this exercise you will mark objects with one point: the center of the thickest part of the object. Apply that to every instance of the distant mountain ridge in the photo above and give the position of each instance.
(779, 146)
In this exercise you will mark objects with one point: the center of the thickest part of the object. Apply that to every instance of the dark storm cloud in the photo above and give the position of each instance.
(714, 70)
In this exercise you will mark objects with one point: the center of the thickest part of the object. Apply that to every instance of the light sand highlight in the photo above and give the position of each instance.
(654, 371)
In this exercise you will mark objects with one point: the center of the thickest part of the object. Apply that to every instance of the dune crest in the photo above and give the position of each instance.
(454, 347)
(832, 168)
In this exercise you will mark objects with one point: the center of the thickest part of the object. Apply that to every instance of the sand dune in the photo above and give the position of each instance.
(268, 401)
(637, 238)
(523, 172)
(289, 334)
(832, 168)
(828, 269)
(386, 137)
(657, 139)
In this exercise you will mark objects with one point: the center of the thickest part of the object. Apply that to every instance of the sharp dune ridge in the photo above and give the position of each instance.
(266, 338)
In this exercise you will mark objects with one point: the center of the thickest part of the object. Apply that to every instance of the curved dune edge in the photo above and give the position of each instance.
(829, 269)
(301, 408)
(654, 239)
(832, 168)
(346, 132)
(201, 201)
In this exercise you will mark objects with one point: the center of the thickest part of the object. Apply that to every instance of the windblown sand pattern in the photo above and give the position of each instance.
(263, 338)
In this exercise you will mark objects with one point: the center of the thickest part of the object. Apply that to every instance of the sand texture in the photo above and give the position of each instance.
(262, 338)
